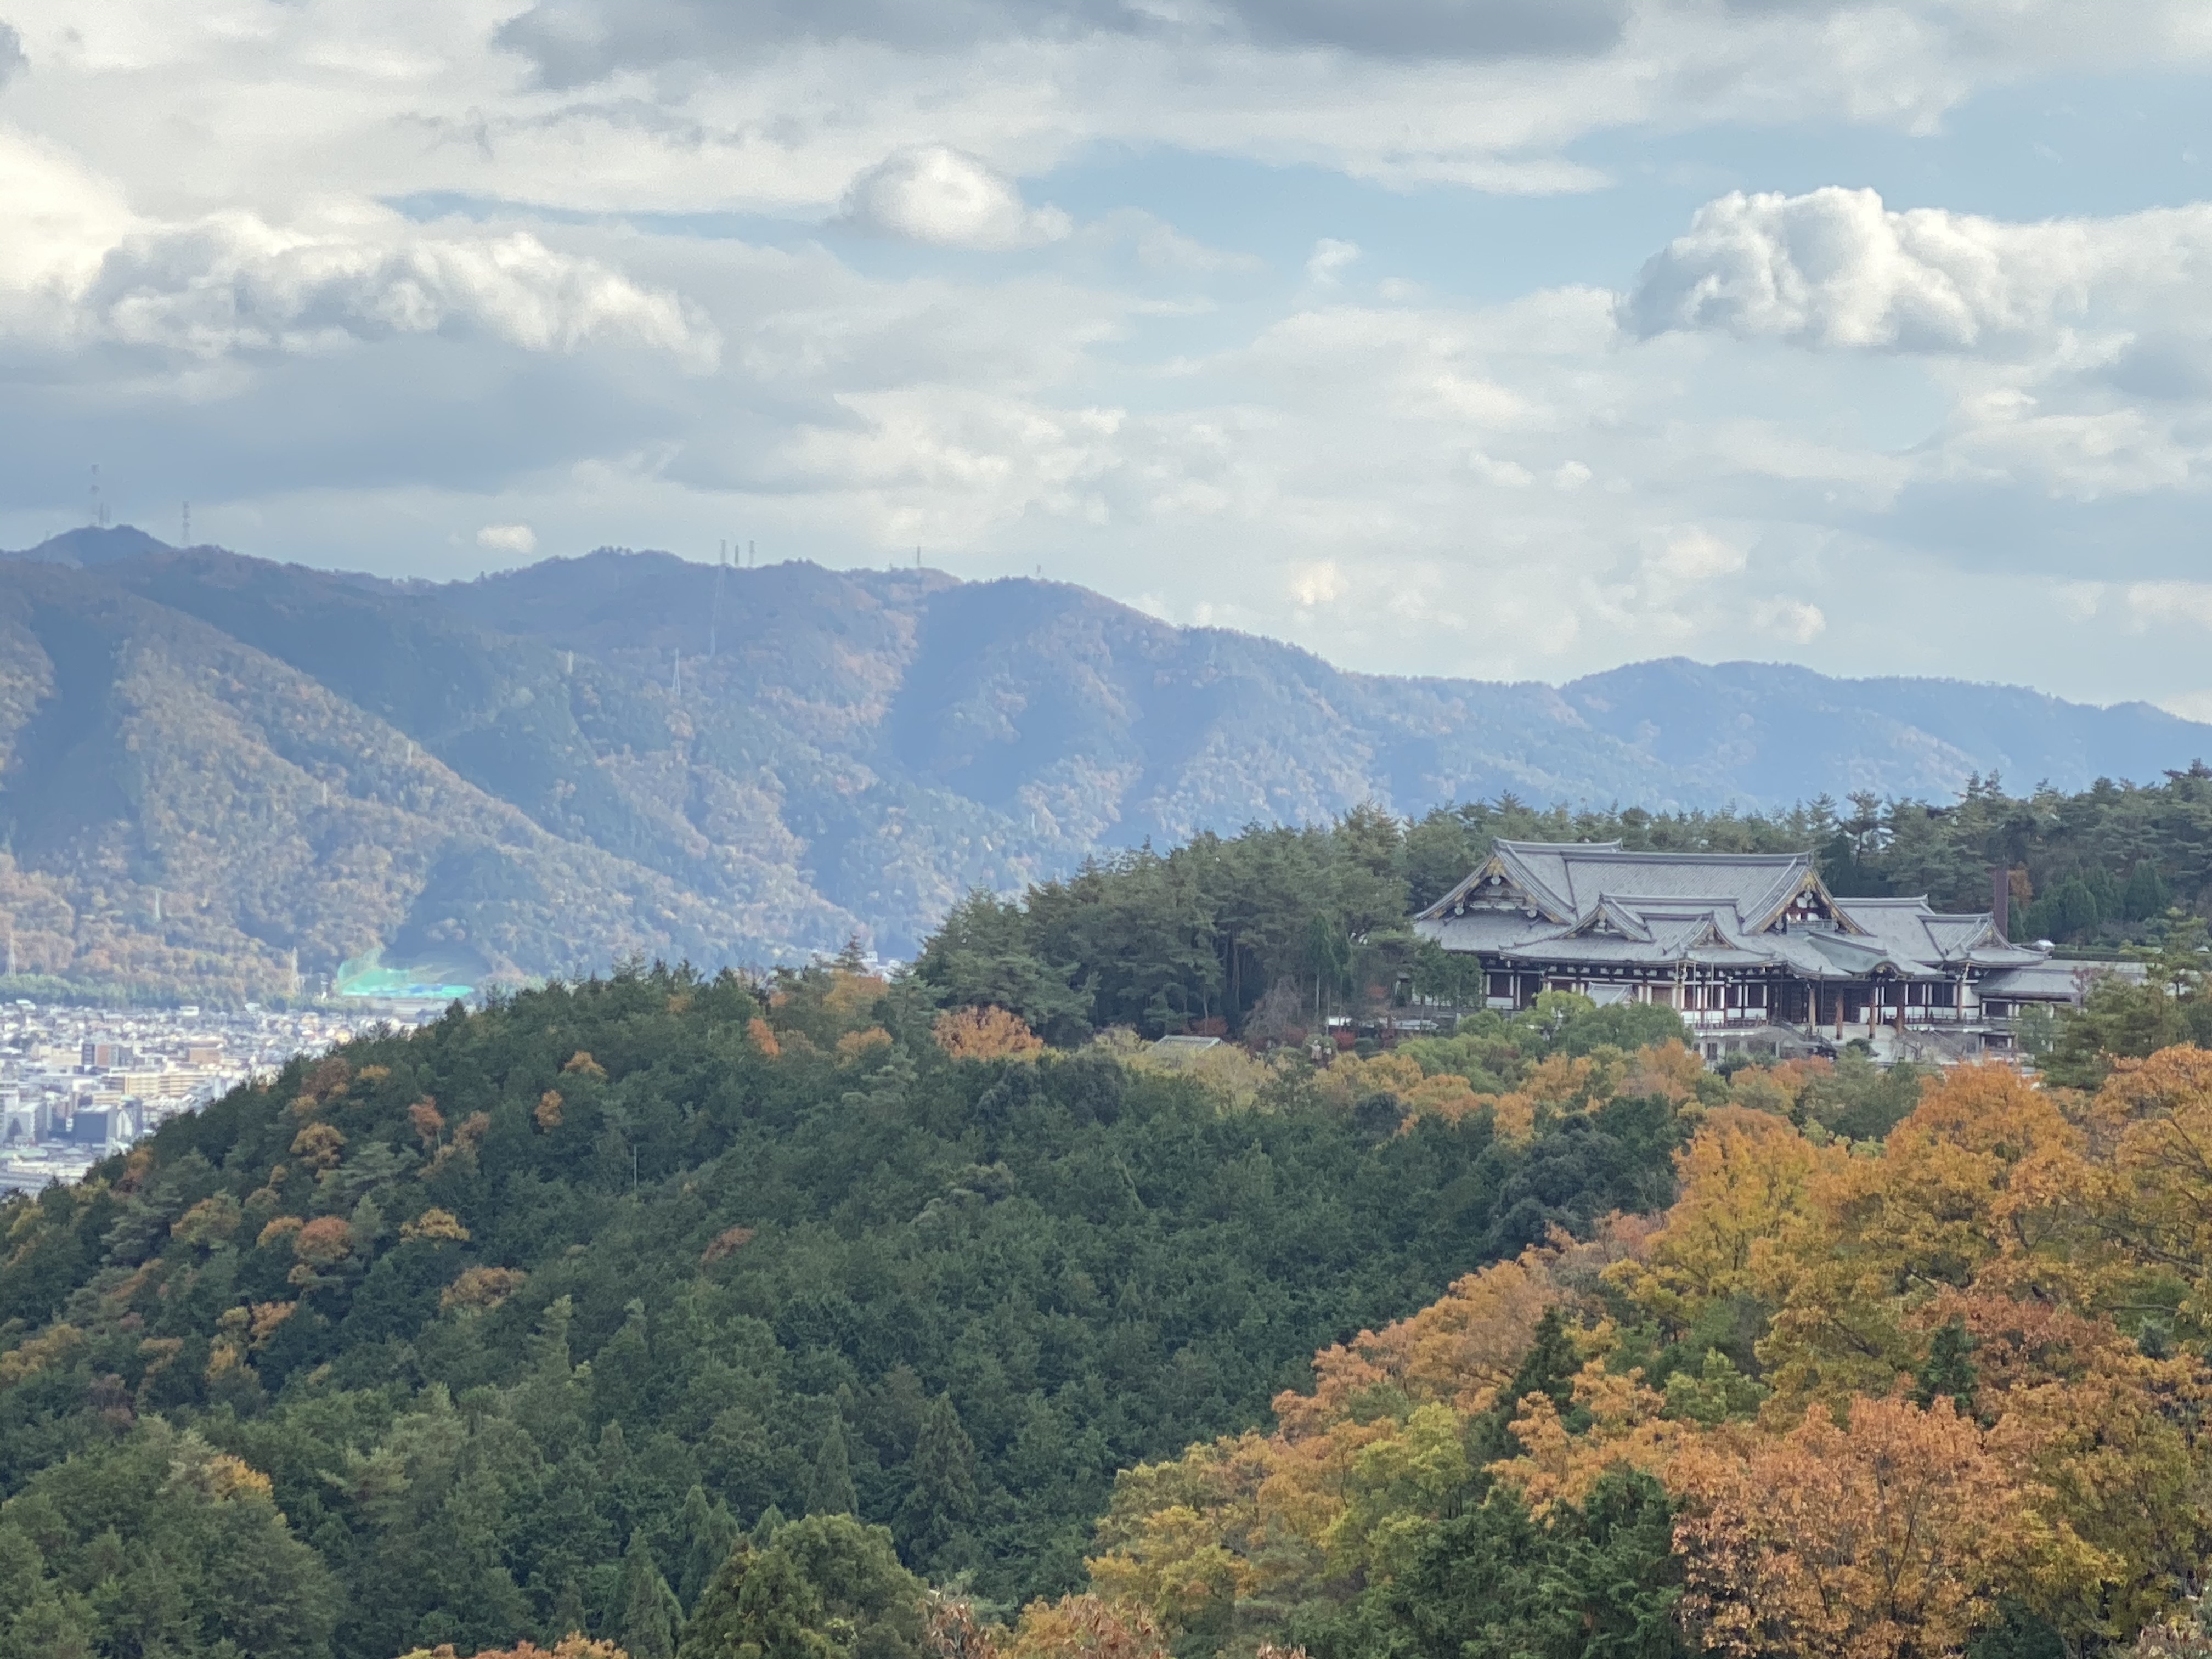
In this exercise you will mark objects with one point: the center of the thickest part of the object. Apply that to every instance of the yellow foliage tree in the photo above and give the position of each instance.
(1624, 1430)
(1740, 1224)
(2108, 1445)
(1355, 1469)
(427, 1121)
(1082, 1627)
(478, 1289)
(1181, 1538)
(324, 1241)
(1973, 1186)
(986, 1033)
(436, 1225)
(318, 1145)
(2150, 1184)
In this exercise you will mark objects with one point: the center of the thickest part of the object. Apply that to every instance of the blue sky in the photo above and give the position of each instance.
(1493, 338)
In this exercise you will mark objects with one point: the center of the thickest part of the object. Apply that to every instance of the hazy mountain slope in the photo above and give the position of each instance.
(581, 748)
(855, 750)
(202, 809)
(1772, 732)
(1048, 702)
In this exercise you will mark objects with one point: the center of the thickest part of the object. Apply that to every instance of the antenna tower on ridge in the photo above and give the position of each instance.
(714, 612)
(187, 540)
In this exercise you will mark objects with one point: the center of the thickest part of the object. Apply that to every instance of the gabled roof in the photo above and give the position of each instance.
(1907, 928)
(1567, 881)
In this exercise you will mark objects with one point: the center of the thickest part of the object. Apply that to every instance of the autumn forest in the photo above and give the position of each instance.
(832, 1317)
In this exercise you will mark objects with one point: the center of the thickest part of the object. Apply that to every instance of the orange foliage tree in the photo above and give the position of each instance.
(1972, 1187)
(1887, 1539)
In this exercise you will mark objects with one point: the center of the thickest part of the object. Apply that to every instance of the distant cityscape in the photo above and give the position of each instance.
(78, 1083)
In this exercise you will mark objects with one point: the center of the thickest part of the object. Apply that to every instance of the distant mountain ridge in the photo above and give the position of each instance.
(209, 762)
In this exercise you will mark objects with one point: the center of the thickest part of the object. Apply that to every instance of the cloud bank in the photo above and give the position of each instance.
(77, 266)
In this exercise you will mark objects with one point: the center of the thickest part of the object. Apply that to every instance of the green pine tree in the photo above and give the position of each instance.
(830, 1491)
(940, 1504)
(570, 1618)
(2146, 896)
(766, 1525)
(1548, 1368)
(709, 1532)
(1949, 1370)
(758, 1607)
(651, 1616)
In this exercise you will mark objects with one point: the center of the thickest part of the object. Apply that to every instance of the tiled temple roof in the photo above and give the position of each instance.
(1592, 904)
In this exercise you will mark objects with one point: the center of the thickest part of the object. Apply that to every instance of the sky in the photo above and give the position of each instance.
(1500, 339)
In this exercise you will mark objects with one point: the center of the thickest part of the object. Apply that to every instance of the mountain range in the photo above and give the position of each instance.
(216, 770)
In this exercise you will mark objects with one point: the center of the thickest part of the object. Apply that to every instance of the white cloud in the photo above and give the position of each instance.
(1485, 92)
(58, 220)
(233, 283)
(572, 41)
(935, 194)
(1693, 555)
(1793, 620)
(1422, 480)
(1320, 583)
(1329, 260)
(518, 539)
(2171, 602)
(702, 105)
(1836, 268)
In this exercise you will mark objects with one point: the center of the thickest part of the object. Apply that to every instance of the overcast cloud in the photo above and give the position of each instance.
(1502, 337)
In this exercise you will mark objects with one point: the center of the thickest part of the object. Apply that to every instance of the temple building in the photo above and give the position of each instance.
(1737, 941)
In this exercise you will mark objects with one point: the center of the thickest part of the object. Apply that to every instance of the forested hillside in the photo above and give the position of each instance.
(1261, 934)
(705, 1320)
(508, 1327)
(210, 763)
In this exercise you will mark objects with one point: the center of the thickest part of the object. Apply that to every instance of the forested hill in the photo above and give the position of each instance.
(209, 763)
(699, 1323)
(510, 1327)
